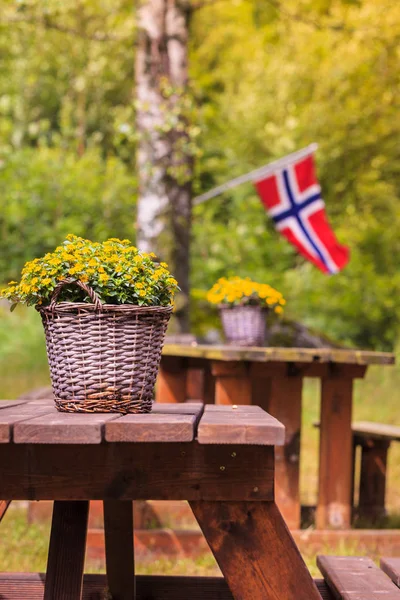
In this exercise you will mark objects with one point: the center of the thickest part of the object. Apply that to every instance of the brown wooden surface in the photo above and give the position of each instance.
(232, 383)
(8, 403)
(255, 551)
(54, 427)
(174, 471)
(13, 414)
(356, 578)
(118, 531)
(305, 355)
(171, 380)
(67, 551)
(29, 586)
(371, 503)
(391, 566)
(370, 430)
(4, 504)
(284, 402)
(335, 454)
(230, 425)
(153, 428)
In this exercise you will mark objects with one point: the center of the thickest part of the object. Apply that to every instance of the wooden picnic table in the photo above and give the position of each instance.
(272, 378)
(219, 458)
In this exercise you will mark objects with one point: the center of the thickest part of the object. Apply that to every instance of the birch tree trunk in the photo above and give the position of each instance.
(165, 172)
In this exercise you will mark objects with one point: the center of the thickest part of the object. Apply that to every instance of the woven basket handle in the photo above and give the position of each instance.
(89, 291)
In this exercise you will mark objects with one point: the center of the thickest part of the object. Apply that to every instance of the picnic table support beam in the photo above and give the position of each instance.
(284, 403)
(64, 576)
(335, 467)
(118, 531)
(255, 551)
(172, 380)
(373, 479)
(232, 383)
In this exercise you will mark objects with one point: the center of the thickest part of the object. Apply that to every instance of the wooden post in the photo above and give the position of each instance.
(336, 452)
(255, 551)
(65, 563)
(172, 380)
(118, 531)
(232, 382)
(373, 479)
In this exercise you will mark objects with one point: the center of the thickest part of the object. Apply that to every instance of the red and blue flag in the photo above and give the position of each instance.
(292, 197)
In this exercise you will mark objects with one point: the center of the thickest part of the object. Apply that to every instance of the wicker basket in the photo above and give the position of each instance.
(103, 358)
(244, 325)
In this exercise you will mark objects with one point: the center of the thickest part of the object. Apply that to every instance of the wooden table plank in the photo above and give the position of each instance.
(10, 403)
(10, 416)
(183, 408)
(356, 578)
(256, 354)
(152, 428)
(14, 586)
(391, 566)
(376, 430)
(62, 428)
(227, 425)
(175, 471)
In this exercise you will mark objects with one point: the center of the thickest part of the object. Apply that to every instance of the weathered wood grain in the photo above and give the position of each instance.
(313, 355)
(232, 382)
(62, 428)
(29, 586)
(391, 566)
(356, 578)
(255, 551)
(152, 428)
(335, 454)
(229, 425)
(67, 551)
(13, 414)
(175, 471)
(118, 531)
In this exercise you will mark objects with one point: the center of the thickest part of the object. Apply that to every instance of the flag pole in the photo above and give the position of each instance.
(256, 173)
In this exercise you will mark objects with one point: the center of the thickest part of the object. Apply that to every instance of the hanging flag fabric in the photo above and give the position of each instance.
(292, 197)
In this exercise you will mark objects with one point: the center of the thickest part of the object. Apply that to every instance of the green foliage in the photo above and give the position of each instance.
(115, 270)
(48, 192)
(269, 78)
(270, 84)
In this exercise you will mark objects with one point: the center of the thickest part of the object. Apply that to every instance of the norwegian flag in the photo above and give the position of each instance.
(292, 196)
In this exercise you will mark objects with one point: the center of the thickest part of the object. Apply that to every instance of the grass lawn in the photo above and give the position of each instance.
(23, 366)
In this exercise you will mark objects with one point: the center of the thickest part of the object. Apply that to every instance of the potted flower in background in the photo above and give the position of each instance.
(105, 309)
(244, 305)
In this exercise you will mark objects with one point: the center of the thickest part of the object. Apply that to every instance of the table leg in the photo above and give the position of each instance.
(335, 453)
(171, 381)
(67, 551)
(118, 530)
(284, 403)
(232, 383)
(4, 504)
(255, 551)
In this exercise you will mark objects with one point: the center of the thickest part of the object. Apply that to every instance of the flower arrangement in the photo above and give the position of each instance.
(116, 270)
(236, 291)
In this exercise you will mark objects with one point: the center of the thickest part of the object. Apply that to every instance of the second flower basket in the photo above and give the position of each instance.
(103, 357)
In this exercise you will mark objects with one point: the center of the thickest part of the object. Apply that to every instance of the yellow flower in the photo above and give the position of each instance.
(46, 281)
(104, 277)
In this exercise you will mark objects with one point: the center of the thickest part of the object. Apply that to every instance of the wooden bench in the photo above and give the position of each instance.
(357, 578)
(374, 439)
(219, 458)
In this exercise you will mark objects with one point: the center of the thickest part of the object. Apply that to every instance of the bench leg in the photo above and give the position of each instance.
(118, 530)
(373, 479)
(67, 551)
(255, 551)
(4, 504)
